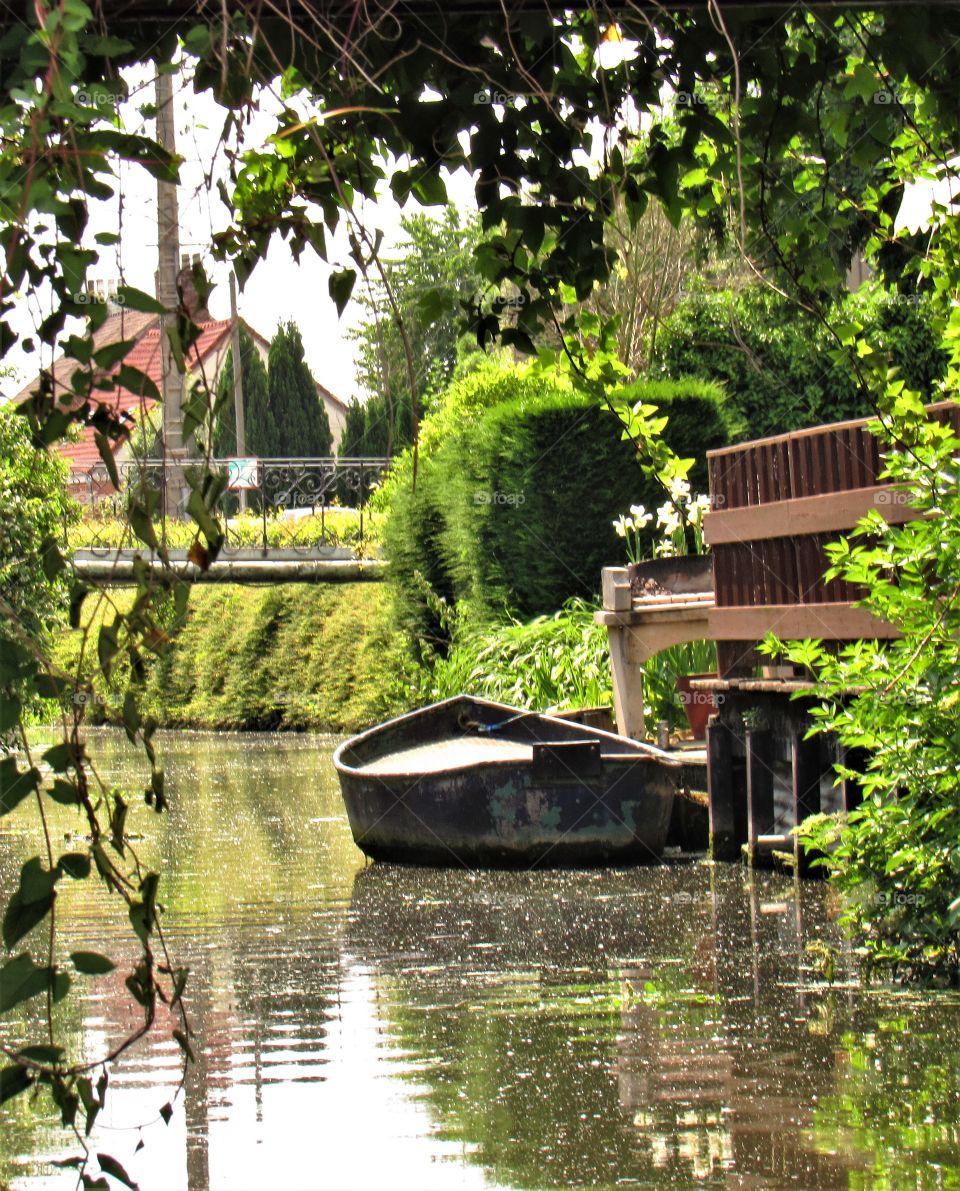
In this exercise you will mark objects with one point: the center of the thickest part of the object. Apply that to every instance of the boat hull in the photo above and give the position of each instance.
(561, 795)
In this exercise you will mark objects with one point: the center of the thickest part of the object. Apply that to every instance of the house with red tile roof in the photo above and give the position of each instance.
(206, 360)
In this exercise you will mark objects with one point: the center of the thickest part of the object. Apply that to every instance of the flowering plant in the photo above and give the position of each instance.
(680, 512)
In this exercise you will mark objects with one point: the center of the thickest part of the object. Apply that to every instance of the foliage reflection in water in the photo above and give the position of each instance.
(385, 1027)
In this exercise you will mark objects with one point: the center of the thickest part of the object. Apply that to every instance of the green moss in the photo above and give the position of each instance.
(293, 656)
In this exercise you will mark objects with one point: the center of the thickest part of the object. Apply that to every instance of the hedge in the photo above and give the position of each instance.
(514, 504)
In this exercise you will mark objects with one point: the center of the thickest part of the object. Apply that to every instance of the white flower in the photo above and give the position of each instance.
(665, 549)
(699, 507)
(614, 49)
(621, 525)
(668, 518)
(641, 518)
(679, 489)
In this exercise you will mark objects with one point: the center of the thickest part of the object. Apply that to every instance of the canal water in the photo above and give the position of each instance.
(377, 1027)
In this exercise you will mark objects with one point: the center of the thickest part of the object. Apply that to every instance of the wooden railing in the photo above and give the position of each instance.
(776, 503)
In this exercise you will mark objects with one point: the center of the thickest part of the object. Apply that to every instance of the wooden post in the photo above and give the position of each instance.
(759, 749)
(237, 379)
(724, 841)
(625, 666)
(807, 772)
(168, 265)
(627, 675)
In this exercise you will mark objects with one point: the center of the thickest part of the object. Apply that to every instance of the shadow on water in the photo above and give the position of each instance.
(386, 1027)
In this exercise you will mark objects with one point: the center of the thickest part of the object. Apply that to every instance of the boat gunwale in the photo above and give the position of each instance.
(644, 751)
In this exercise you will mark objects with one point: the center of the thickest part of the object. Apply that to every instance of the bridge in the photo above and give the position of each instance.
(285, 520)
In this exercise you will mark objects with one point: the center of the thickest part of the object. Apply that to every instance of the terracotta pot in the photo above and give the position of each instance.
(698, 705)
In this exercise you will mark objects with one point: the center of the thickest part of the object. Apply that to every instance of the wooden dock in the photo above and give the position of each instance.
(776, 503)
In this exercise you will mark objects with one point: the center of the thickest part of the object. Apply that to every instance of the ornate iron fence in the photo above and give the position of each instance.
(269, 505)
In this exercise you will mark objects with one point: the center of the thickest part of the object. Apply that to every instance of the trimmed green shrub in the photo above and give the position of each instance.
(293, 656)
(772, 357)
(518, 486)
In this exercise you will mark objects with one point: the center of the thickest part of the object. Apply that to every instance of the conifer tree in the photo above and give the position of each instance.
(259, 426)
(299, 415)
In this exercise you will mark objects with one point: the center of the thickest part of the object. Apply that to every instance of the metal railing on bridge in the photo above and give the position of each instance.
(269, 506)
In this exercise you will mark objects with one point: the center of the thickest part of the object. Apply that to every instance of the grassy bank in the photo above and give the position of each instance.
(293, 656)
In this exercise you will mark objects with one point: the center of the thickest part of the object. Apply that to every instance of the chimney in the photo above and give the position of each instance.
(110, 295)
(188, 291)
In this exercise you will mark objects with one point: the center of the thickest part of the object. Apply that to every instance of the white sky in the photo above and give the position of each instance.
(279, 289)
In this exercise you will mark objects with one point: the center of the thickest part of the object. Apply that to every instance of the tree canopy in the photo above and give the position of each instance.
(301, 428)
(258, 422)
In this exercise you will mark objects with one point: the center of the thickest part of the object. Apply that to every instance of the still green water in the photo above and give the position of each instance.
(378, 1027)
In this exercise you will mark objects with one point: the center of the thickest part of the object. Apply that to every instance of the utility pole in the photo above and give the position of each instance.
(237, 379)
(168, 242)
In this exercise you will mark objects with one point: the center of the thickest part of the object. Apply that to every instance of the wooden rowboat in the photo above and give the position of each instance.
(476, 783)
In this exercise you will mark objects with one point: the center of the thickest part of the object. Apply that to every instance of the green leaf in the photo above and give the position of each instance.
(51, 686)
(106, 454)
(13, 1081)
(21, 979)
(112, 353)
(184, 1044)
(113, 1168)
(138, 382)
(61, 757)
(197, 509)
(142, 525)
(75, 865)
(66, 793)
(9, 713)
(137, 299)
(91, 1105)
(341, 286)
(429, 190)
(15, 784)
(108, 646)
(52, 560)
(31, 903)
(90, 963)
(50, 1055)
(20, 918)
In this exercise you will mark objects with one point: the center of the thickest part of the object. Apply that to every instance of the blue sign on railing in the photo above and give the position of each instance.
(243, 475)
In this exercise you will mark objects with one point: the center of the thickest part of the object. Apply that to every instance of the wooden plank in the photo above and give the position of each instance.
(827, 512)
(693, 612)
(795, 622)
(946, 410)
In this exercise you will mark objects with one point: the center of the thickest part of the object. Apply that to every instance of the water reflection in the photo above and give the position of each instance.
(658, 1027)
(385, 1027)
